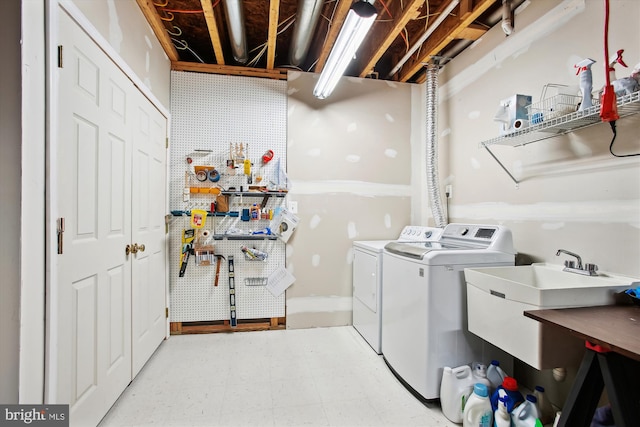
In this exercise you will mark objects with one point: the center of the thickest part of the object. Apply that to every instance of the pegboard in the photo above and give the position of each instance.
(212, 115)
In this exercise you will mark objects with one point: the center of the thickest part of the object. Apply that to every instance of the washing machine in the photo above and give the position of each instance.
(367, 280)
(424, 323)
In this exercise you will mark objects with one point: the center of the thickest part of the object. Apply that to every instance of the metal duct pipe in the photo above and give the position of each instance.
(433, 185)
(307, 18)
(507, 23)
(237, 35)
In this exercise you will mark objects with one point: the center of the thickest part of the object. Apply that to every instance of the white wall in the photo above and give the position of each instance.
(124, 26)
(10, 172)
(350, 161)
(574, 194)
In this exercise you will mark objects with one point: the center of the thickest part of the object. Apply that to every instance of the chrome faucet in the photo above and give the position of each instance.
(570, 266)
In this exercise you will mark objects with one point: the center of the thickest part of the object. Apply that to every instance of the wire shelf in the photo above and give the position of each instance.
(553, 126)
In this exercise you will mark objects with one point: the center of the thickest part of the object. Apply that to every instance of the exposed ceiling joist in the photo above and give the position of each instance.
(214, 34)
(339, 15)
(149, 12)
(274, 16)
(377, 48)
(448, 31)
(229, 70)
(472, 32)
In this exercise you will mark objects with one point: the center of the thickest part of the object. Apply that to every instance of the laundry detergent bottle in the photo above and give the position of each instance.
(526, 414)
(479, 371)
(477, 410)
(544, 406)
(455, 388)
(501, 417)
(514, 397)
(495, 374)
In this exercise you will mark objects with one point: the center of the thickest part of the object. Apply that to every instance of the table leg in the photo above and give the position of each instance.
(623, 395)
(584, 396)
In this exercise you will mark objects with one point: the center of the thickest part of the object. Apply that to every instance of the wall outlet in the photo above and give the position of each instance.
(292, 206)
(448, 190)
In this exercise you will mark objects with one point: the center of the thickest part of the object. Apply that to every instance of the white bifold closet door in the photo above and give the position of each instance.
(107, 308)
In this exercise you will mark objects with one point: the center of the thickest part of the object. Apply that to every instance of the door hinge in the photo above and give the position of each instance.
(60, 56)
(166, 312)
(167, 142)
(60, 230)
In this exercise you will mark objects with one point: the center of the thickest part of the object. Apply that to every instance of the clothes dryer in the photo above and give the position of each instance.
(367, 280)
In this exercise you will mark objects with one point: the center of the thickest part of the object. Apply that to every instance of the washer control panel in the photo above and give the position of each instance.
(483, 236)
(417, 233)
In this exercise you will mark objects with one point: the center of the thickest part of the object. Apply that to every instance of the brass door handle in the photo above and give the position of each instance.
(127, 249)
(135, 248)
(141, 247)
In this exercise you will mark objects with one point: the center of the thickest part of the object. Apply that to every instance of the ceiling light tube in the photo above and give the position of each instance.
(425, 36)
(359, 20)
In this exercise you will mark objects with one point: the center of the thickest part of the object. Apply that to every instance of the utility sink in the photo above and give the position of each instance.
(498, 296)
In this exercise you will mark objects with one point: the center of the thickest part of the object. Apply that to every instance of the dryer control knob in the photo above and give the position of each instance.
(464, 231)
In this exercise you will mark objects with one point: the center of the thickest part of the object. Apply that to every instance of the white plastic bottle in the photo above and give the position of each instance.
(546, 410)
(479, 371)
(495, 374)
(501, 416)
(477, 410)
(455, 388)
(526, 414)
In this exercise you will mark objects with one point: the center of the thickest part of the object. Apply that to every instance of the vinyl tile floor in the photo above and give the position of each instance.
(302, 377)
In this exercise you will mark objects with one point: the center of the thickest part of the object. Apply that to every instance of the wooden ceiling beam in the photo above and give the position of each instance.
(449, 30)
(473, 32)
(340, 14)
(229, 70)
(151, 14)
(377, 46)
(274, 14)
(214, 34)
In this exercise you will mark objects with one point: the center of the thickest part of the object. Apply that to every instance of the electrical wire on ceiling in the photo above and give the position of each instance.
(288, 22)
(183, 45)
(404, 33)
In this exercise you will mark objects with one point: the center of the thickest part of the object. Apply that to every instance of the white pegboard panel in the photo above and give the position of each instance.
(211, 112)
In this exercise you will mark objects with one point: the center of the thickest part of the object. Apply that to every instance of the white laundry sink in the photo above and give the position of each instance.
(498, 296)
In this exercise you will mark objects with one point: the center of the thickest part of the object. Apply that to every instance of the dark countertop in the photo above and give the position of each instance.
(613, 327)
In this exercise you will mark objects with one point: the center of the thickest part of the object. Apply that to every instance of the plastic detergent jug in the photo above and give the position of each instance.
(477, 410)
(479, 371)
(526, 414)
(495, 374)
(544, 406)
(455, 388)
(514, 397)
(501, 417)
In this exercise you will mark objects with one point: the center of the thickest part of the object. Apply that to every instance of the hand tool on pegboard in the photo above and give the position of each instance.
(188, 236)
(218, 262)
(232, 293)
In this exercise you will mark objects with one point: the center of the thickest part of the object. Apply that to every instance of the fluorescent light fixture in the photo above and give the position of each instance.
(359, 20)
(425, 36)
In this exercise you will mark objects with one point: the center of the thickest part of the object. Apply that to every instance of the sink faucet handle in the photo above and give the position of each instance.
(592, 268)
(576, 256)
(569, 264)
